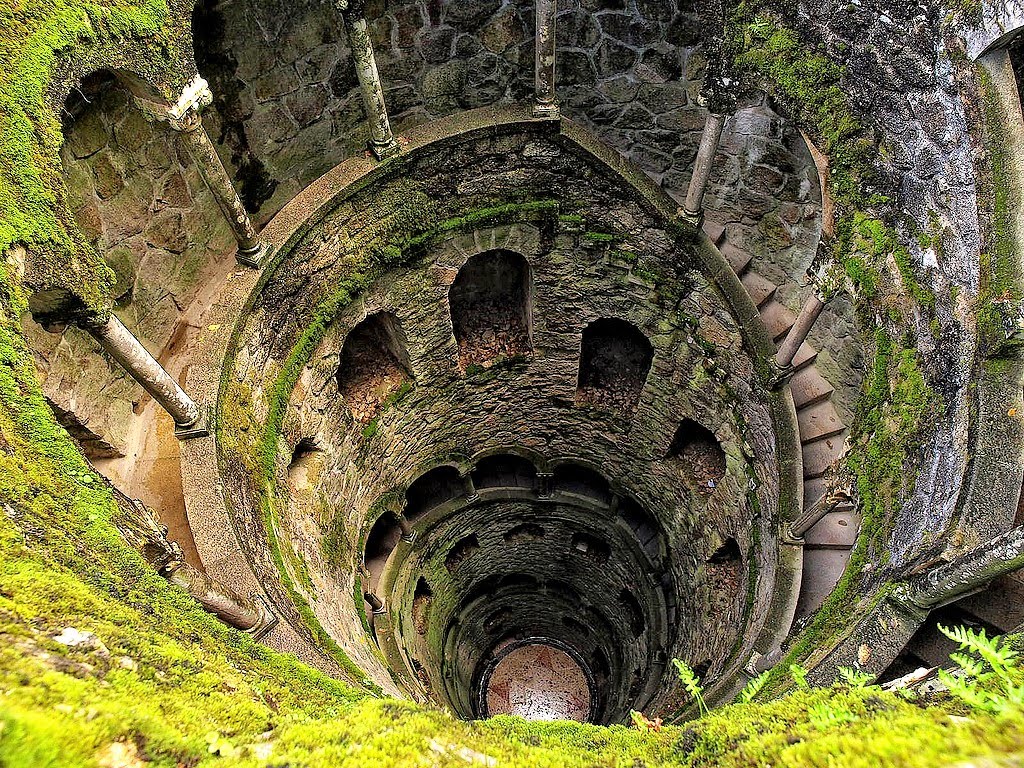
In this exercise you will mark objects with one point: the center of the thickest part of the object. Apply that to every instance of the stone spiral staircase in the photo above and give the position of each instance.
(823, 434)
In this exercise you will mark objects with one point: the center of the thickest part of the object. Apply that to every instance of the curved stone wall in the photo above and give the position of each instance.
(598, 247)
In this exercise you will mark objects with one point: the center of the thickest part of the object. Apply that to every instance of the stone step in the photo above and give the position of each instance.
(836, 530)
(760, 289)
(738, 259)
(813, 489)
(818, 421)
(819, 455)
(715, 231)
(805, 357)
(809, 387)
(777, 318)
(822, 571)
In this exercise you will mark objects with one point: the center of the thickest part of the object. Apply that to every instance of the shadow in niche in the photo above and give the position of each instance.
(380, 542)
(642, 525)
(490, 308)
(698, 452)
(422, 599)
(725, 576)
(374, 369)
(460, 552)
(615, 358)
(577, 480)
(303, 463)
(504, 471)
(432, 489)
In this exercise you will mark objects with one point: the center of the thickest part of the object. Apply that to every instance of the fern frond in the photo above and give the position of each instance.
(752, 688)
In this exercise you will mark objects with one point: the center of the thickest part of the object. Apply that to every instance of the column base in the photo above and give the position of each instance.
(268, 619)
(200, 429)
(546, 111)
(256, 257)
(693, 217)
(387, 149)
(409, 538)
(781, 374)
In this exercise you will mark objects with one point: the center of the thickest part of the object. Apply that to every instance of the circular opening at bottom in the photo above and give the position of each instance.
(538, 680)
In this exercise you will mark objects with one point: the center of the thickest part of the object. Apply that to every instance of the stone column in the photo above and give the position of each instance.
(382, 141)
(184, 117)
(967, 574)
(823, 279)
(833, 497)
(408, 534)
(224, 603)
(544, 104)
(120, 344)
(544, 484)
(469, 487)
(375, 603)
(140, 528)
(693, 207)
(801, 329)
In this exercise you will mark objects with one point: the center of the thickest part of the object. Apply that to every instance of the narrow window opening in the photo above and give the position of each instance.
(591, 546)
(422, 599)
(523, 532)
(632, 611)
(461, 552)
(303, 465)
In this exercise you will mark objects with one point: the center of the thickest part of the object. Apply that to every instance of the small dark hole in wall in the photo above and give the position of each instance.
(302, 462)
(701, 670)
(523, 532)
(615, 358)
(591, 546)
(633, 612)
(729, 552)
(699, 453)
(421, 673)
(461, 552)
(725, 576)
(422, 599)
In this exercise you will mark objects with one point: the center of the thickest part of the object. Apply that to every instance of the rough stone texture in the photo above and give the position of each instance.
(901, 78)
(701, 370)
(140, 200)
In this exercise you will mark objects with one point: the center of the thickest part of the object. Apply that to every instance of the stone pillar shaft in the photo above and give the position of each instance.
(801, 329)
(408, 534)
(469, 487)
(128, 351)
(544, 60)
(222, 602)
(709, 141)
(970, 572)
(199, 145)
(382, 140)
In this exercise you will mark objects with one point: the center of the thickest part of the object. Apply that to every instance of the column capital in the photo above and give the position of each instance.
(184, 114)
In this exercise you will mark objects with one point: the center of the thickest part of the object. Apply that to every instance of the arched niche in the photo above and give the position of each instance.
(615, 358)
(699, 454)
(382, 539)
(373, 366)
(504, 471)
(578, 480)
(490, 302)
(432, 489)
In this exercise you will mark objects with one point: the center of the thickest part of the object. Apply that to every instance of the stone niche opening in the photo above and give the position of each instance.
(504, 471)
(374, 367)
(615, 358)
(577, 480)
(432, 489)
(490, 302)
(725, 573)
(381, 541)
(697, 451)
(304, 463)
(422, 599)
